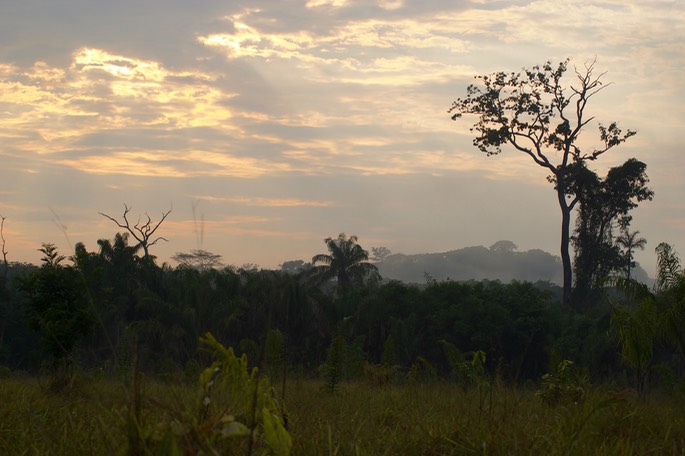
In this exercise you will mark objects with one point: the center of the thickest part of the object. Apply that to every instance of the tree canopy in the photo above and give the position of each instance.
(536, 113)
(604, 208)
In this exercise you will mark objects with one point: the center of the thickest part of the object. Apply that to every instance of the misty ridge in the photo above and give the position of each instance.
(501, 261)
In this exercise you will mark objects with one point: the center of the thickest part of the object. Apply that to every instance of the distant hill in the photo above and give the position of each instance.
(501, 262)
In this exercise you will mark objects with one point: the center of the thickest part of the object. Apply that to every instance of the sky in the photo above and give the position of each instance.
(268, 126)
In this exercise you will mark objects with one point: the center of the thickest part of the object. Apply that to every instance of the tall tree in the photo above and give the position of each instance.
(536, 114)
(4, 300)
(114, 279)
(604, 205)
(56, 307)
(346, 261)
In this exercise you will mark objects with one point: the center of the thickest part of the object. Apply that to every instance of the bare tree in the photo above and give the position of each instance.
(3, 283)
(143, 233)
(4, 252)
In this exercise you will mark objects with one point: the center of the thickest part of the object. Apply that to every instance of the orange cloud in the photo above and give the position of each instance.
(267, 202)
(158, 164)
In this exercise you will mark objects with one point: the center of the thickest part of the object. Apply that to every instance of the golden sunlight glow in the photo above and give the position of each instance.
(227, 165)
(102, 92)
(122, 163)
(329, 58)
(174, 164)
(21, 94)
(236, 225)
(87, 59)
(391, 4)
(278, 202)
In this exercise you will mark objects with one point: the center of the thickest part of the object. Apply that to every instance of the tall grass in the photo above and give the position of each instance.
(358, 419)
(81, 420)
(442, 419)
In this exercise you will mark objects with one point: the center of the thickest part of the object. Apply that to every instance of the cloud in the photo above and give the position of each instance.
(264, 202)
(320, 3)
(353, 52)
(304, 119)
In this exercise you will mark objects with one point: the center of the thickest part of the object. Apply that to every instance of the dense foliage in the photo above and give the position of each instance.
(119, 306)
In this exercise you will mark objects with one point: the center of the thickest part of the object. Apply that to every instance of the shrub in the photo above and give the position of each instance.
(565, 386)
(237, 412)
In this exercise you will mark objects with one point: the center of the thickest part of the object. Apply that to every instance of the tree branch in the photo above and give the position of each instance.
(141, 233)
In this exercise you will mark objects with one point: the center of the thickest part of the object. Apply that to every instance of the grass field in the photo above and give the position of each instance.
(359, 419)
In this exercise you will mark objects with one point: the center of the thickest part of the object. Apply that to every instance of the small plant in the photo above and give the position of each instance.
(565, 386)
(389, 356)
(384, 373)
(470, 373)
(237, 413)
(332, 369)
(274, 353)
(467, 373)
(477, 373)
(422, 371)
(380, 374)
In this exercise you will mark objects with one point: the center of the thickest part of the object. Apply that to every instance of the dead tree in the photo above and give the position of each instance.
(143, 233)
(3, 283)
(4, 252)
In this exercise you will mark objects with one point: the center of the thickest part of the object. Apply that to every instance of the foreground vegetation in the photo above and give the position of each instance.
(436, 418)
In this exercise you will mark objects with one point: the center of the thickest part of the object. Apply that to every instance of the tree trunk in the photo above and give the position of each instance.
(565, 243)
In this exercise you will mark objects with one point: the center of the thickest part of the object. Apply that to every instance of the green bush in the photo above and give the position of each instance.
(236, 413)
(565, 386)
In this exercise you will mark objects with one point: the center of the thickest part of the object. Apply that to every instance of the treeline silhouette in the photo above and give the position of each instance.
(117, 306)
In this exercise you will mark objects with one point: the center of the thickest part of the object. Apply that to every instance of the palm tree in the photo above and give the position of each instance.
(670, 289)
(669, 269)
(346, 261)
(629, 241)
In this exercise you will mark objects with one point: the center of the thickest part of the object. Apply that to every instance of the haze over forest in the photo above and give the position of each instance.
(268, 126)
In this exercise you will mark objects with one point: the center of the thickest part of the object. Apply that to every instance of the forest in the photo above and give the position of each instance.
(94, 308)
(335, 321)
